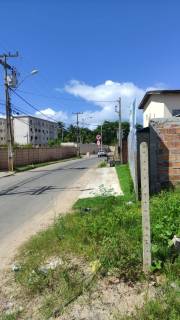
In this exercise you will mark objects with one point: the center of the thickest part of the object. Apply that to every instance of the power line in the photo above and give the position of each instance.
(32, 106)
(65, 99)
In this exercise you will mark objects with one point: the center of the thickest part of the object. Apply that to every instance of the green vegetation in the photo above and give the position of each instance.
(88, 135)
(102, 164)
(125, 181)
(105, 234)
(166, 307)
(11, 316)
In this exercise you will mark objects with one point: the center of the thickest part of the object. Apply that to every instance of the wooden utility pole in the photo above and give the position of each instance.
(7, 85)
(145, 207)
(77, 124)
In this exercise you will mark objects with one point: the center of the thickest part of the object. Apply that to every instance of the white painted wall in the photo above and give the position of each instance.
(21, 130)
(160, 106)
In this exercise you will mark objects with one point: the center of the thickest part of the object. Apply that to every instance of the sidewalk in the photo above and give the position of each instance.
(5, 174)
(103, 182)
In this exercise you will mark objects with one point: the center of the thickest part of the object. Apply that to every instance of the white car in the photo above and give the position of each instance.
(102, 153)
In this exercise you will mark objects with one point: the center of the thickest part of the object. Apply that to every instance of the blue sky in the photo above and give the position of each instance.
(90, 50)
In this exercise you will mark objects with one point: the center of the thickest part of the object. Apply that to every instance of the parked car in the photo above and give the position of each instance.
(102, 153)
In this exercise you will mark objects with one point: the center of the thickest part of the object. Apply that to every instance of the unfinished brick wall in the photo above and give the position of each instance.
(36, 155)
(164, 153)
(163, 138)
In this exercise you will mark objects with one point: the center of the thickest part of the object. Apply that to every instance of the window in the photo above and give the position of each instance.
(35, 137)
(39, 130)
(36, 129)
(30, 121)
(31, 138)
(176, 112)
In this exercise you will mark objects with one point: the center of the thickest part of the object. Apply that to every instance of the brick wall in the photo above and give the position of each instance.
(163, 138)
(165, 153)
(36, 155)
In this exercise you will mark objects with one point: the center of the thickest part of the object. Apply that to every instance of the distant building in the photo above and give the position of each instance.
(32, 130)
(160, 104)
(3, 131)
(29, 130)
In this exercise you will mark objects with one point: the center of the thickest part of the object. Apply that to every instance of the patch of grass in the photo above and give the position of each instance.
(125, 181)
(165, 222)
(102, 164)
(12, 316)
(166, 306)
(106, 233)
(38, 165)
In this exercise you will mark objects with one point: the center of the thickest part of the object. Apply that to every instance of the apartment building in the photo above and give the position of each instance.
(160, 104)
(32, 130)
(3, 131)
(29, 130)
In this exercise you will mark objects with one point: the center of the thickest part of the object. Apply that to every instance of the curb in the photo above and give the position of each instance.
(8, 175)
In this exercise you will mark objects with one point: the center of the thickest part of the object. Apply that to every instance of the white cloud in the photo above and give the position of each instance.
(104, 96)
(52, 114)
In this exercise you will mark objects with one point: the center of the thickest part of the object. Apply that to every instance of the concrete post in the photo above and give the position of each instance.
(145, 206)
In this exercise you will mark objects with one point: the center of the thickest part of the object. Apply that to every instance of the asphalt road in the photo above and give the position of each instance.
(29, 193)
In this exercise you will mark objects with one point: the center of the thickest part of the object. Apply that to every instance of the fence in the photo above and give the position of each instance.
(26, 156)
(132, 157)
(132, 147)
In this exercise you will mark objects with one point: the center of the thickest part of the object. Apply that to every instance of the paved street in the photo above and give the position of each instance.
(27, 194)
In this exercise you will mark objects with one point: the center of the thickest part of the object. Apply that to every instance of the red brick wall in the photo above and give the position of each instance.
(36, 155)
(165, 146)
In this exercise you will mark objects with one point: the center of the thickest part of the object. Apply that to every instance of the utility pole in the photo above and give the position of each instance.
(62, 134)
(118, 110)
(8, 83)
(101, 137)
(77, 124)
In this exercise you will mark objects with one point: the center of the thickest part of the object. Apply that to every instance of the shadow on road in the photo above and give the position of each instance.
(9, 191)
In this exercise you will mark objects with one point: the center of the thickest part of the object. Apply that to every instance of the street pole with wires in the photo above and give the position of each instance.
(101, 136)
(118, 110)
(77, 124)
(8, 82)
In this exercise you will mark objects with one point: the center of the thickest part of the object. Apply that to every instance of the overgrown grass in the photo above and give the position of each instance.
(12, 316)
(102, 164)
(166, 306)
(105, 232)
(125, 181)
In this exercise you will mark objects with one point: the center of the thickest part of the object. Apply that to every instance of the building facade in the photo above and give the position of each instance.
(3, 131)
(29, 130)
(32, 130)
(160, 104)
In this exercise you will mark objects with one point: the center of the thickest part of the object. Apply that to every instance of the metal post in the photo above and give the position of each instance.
(145, 206)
